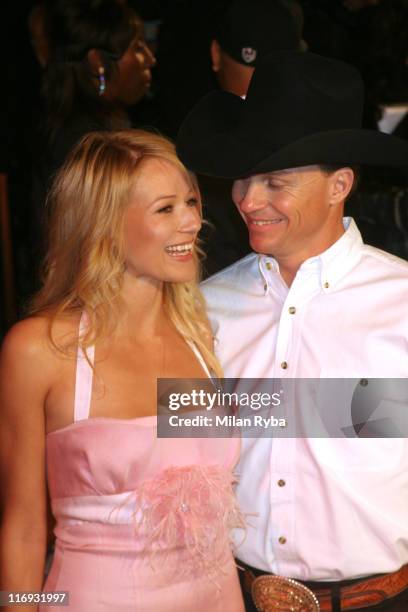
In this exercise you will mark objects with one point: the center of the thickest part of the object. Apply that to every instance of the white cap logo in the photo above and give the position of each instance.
(248, 54)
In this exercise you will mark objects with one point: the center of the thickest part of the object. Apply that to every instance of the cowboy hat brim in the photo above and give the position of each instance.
(214, 140)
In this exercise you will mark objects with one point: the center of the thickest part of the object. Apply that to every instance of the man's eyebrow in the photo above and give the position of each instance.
(284, 171)
(277, 175)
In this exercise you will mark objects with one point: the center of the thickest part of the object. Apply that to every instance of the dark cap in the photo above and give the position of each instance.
(251, 28)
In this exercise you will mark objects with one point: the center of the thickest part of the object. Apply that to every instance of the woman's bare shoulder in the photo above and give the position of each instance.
(36, 337)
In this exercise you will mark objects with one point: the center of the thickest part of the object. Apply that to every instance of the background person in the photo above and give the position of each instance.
(245, 31)
(98, 67)
(119, 308)
(313, 301)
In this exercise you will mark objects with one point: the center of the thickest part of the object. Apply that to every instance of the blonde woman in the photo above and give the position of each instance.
(141, 523)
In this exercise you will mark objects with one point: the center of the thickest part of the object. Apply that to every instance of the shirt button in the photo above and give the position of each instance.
(281, 483)
(326, 285)
(282, 540)
(292, 310)
(284, 365)
(268, 265)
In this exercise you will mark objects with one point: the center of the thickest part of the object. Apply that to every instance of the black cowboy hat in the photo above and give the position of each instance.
(301, 109)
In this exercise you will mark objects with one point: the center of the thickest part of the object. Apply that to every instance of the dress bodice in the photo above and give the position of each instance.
(106, 456)
(114, 484)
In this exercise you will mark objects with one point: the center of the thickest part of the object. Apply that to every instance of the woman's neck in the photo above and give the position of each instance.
(143, 311)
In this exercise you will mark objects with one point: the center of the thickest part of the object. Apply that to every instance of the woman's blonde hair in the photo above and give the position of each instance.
(85, 262)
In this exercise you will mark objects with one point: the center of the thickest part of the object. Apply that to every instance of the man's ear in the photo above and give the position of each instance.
(95, 61)
(341, 184)
(215, 51)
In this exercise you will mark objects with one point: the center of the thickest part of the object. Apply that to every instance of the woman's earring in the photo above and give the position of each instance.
(102, 82)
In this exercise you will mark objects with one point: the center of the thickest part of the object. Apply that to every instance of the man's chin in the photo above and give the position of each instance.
(259, 245)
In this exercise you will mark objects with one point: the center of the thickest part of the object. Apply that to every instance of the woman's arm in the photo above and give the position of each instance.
(25, 370)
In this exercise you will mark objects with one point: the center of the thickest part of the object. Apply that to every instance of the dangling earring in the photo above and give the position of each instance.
(102, 82)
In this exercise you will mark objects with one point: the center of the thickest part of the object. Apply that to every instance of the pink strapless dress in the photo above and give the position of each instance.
(142, 524)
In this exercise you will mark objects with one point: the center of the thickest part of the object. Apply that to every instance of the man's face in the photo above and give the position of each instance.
(289, 212)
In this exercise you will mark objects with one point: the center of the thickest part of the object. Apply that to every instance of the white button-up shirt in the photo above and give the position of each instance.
(325, 509)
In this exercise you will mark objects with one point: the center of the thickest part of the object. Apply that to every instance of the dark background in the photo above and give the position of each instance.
(374, 38)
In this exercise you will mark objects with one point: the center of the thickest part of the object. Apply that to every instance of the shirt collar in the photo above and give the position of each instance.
(330, 266)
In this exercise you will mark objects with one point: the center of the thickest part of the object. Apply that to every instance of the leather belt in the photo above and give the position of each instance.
(334, 596)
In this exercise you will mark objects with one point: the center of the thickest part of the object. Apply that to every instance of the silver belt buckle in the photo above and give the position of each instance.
(271, 593)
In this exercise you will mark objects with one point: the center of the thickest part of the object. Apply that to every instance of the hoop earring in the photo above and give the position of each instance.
(102, 82)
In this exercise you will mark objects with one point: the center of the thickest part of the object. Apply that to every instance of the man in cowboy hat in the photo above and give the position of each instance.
(313, 301)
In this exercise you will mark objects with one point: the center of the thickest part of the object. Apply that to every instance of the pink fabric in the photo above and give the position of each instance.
(142, 523)
(84, 375)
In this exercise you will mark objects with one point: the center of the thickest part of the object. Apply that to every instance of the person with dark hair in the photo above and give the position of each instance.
(98, 66)
(99, 63)
(312, 301)
(245, 31)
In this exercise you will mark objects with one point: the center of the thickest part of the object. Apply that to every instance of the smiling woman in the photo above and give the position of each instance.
(162, 223)
(119, 308)
(121, 202)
